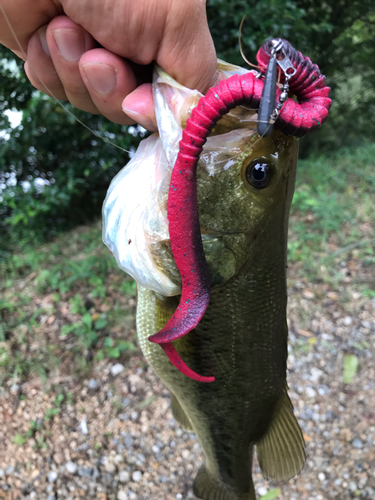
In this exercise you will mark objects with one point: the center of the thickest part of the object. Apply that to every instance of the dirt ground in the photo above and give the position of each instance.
(112, 435)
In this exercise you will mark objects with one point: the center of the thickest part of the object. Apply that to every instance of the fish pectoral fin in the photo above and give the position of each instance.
(281, 451)
(179, 414)
(206, 488)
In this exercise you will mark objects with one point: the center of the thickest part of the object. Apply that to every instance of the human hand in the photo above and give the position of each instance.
(97, 55)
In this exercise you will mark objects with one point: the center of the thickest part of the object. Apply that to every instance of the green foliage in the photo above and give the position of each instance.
(61, 171)
(56, 172)
(350, 367)
(271, 494)
(332, 212)
(337, 35)
(19, 439)
(114, 349)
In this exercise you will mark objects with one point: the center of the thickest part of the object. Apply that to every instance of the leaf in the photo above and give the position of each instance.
(271, 494)
(101, 323)
(125, 345)
(19, 439)
(87, 320)
(113, 352)
(66, 329)
(108, 342)
(350, 367)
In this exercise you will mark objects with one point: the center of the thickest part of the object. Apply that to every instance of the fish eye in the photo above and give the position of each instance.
(259, 173)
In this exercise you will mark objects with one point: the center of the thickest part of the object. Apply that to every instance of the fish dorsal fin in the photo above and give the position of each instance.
(206, 488)
(179, 414)
(281, 451)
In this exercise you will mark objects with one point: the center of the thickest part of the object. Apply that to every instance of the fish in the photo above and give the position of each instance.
(245, 185)
(242, 337)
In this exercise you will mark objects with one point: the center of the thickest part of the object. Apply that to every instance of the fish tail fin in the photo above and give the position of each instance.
(179, 414)
(281, 451)
(207, 488)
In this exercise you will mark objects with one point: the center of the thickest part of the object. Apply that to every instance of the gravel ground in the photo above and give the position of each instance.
(113, 436)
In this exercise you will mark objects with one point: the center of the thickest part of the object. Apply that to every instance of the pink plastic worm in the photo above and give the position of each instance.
(184, 229)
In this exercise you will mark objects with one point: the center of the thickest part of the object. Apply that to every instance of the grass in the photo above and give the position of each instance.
(333, 218)
(63, 306)
(66, 305)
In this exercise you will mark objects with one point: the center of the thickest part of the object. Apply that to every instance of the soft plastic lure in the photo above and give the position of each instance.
(299, 76)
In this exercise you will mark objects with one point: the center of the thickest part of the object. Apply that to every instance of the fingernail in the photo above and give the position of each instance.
(102, 77)
(71, 43)
(43, 39)
(143, 120)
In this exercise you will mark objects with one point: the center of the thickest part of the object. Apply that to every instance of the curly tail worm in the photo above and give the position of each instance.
(295, 118)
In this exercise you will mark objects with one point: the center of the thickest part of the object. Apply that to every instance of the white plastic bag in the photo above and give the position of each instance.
(135, 224)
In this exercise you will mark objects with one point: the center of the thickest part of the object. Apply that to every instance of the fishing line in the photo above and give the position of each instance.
(240, 44)
(97, 134)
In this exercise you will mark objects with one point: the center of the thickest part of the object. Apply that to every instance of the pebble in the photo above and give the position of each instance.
(85, 471)
(262, 491)
(52, 476)
(128, 441)
(353, 486)
(71, 467)
(9, 470)
(367, 324)
(315, 374)
(121, 495)
(1, 473)
(321, 476)
(310, 392)
(110, 467)
(357, 443)
(83, 426)
(124, 476)
(348, 320)
(118, 459)
(137, 476)
(93, 384)
(95, 473)
(117, 369)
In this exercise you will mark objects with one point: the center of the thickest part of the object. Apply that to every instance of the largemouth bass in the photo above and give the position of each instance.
(244, 190)
(242, 338)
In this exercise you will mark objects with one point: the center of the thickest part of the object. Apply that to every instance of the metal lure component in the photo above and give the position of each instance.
(267, 102)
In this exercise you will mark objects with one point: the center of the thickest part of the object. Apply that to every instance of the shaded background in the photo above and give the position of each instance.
(337, 35)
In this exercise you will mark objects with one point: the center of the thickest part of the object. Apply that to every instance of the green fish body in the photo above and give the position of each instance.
(242, 338)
